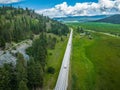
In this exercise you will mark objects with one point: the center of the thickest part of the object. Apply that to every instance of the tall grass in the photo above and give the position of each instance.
(95, 63)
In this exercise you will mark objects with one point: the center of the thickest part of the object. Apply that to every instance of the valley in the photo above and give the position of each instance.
(34, 54)
(95, 59)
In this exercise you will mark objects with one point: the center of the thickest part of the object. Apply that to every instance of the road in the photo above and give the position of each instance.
(62, 82)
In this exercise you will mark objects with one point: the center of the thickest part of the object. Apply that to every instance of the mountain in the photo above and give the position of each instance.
(80, 18)
(115, 19)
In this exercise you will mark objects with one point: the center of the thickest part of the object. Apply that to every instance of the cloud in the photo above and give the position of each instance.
(8, 1)
(81, 9)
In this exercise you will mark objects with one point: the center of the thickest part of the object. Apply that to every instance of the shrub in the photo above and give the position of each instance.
(50, 53)
(51, 70)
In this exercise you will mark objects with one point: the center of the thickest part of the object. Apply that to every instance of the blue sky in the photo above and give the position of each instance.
(43, 4)
(63, 8)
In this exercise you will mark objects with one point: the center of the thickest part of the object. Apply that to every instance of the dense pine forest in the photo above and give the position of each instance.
(16, 25)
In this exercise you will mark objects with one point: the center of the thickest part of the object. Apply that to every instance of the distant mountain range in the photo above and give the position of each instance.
(80, 18)
(115, 19)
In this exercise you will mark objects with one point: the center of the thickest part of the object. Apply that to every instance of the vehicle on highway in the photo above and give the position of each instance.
(65, 66)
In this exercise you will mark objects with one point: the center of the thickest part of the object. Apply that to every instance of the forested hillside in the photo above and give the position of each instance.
(16, 25)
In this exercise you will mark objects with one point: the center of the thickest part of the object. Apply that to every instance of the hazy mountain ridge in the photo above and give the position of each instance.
(115, 19)
(80, 18)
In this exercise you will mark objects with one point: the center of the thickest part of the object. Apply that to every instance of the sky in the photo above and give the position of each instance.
(41, 4)
(64, 8)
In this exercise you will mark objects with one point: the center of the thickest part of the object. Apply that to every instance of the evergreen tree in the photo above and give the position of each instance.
(22, 86)
(21, 69)
(35, 74)
(2, 42)
(39, 50)
(5, 77)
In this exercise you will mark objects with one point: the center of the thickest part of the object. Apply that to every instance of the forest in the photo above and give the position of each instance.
(16, 25)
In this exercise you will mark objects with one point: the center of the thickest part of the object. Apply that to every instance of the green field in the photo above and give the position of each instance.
(95, 63)
(97, 26)
(54, 59)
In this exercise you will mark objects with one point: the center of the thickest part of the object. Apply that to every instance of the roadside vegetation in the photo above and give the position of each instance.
(54, 61)
(49, 51)
(95, 61)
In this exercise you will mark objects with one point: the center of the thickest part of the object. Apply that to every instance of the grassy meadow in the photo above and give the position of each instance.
(95, 63)
(98, 26)
(54, 59)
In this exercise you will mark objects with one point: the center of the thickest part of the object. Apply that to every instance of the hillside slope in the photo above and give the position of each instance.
(31, 45)
(17, 24)
(115, 19)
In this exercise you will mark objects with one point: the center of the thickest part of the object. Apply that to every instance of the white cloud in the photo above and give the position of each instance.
(8, 1)
(80, 9)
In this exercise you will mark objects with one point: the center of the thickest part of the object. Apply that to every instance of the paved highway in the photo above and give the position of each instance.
(62, 82)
